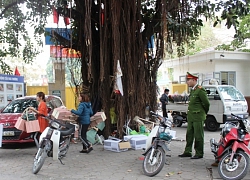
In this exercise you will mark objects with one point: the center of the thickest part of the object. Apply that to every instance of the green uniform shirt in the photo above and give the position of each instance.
(198, 105)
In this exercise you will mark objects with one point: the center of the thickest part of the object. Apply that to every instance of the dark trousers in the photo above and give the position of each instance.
(164, 111)
(83, 135)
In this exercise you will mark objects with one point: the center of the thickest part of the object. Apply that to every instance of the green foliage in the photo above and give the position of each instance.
(226, 47)
(206, 40)
(15, 35)
(182, 25)
(236, 14)
(232, 10)
(241, 35)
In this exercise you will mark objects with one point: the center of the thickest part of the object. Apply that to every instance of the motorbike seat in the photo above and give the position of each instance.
(69, 131)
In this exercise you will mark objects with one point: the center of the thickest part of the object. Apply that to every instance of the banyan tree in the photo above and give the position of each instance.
(106, 32)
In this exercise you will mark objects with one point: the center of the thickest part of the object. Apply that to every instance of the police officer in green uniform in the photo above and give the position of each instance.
(198, 107)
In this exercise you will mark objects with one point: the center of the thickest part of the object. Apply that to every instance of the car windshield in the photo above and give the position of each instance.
(231, 93)
(19, 105)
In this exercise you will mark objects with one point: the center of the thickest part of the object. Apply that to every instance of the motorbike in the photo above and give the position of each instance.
(179, 118)
(232, 151)
(157, 146)
(53, 142)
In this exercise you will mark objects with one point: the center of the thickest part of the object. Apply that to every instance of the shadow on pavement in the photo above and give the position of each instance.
(18, 146)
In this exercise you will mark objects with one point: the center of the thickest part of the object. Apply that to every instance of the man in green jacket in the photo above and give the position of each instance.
(198, 107)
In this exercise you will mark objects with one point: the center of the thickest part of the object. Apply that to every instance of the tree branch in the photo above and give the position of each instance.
(10, 6)
(69, 12)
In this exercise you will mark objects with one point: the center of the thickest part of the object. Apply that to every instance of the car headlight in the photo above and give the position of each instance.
(245, 108)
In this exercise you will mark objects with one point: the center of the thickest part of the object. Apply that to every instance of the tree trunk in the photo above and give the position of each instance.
(102, 44)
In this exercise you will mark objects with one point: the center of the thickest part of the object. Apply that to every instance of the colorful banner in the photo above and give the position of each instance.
(60, 52)
(11, 78)
(64, 32)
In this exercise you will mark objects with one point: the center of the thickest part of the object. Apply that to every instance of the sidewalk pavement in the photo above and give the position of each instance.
(16, 163)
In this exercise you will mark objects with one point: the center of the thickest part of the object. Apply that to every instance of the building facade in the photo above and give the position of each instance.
(227, 67)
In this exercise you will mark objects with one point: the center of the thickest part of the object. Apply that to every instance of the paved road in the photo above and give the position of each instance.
(16, 163)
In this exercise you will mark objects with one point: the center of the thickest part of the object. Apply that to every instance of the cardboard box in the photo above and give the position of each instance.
(138, 142)
(61, 113)
(100, 116)
(97, 119)
(93, 124)
(55, 111)
(116, 146)
(124, 145)
(73, 117)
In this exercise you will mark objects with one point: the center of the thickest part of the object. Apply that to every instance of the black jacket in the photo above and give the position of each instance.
(164, 100)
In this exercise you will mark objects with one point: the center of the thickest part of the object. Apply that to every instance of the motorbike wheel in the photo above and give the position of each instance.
(38, 163)
(237, 170)
(151, 168)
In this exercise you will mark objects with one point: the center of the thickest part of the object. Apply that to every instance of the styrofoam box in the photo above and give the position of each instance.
(127, 138)
(113, 145)
(138, 142)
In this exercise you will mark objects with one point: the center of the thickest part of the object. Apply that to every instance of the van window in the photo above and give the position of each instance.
(211, 91)
(231, 93)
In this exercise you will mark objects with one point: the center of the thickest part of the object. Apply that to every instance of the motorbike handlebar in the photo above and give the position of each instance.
(237, 117)
(240, 120)
(153, 113)
(159, 117)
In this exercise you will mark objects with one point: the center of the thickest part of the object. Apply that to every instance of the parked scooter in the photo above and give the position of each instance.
(156, 146)
(232, 151)
(54, 142)
(179, 118)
